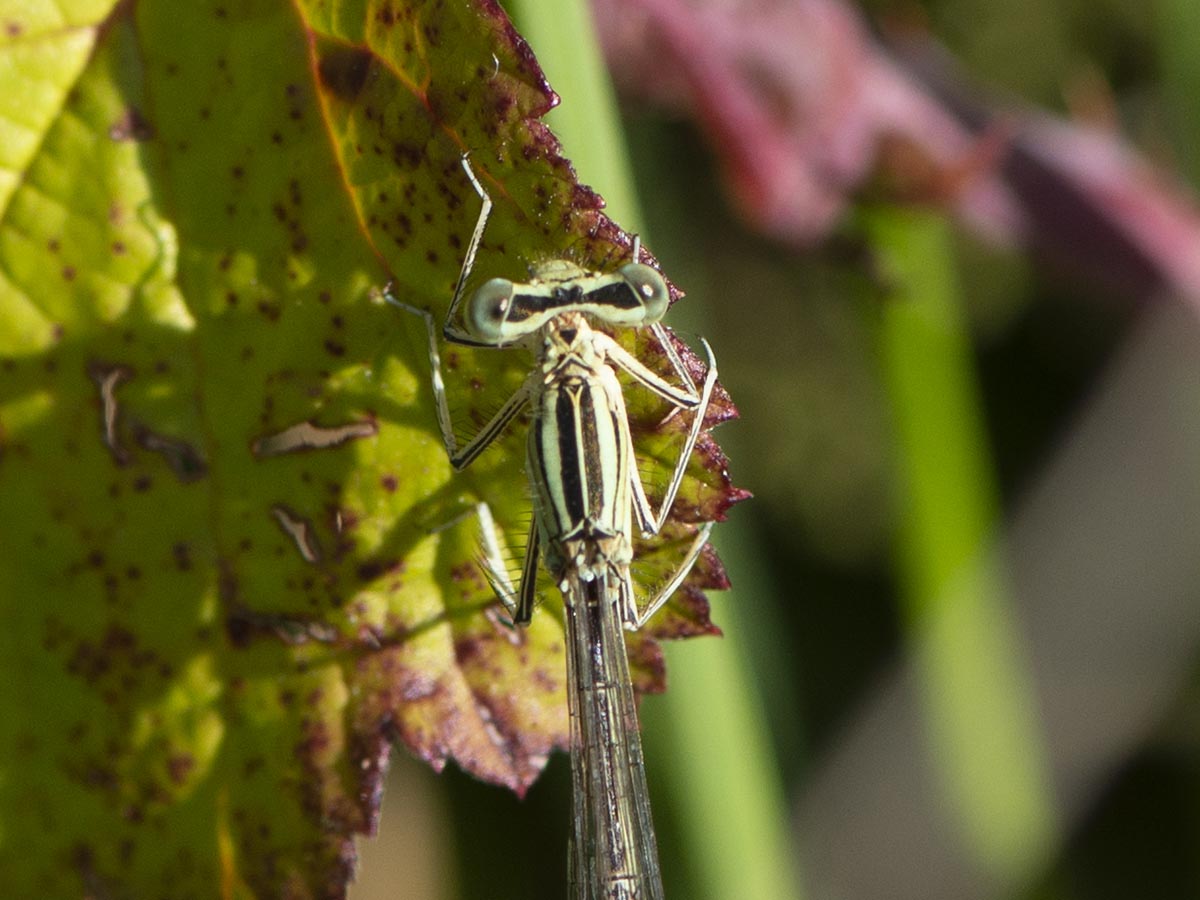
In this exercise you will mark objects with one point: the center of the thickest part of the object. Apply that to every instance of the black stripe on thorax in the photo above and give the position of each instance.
(568, 451)
(576, 412)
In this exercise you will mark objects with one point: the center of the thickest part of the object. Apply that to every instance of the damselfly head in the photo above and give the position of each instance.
(502, 311)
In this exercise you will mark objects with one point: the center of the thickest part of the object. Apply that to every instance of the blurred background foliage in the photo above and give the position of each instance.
(891, 446)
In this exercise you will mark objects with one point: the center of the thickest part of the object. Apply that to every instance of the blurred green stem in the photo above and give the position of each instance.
(980, 709)
(725, 785)
(726, 789)
(1179, 51)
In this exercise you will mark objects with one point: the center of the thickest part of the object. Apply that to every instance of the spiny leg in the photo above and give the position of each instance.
(449, 330)
(636, 619)
(519, 601)
(528, 593)
(660, 332)
(651, 522)
(461, 457)
(519, 605)
(681, 372)
(614, 353)
(516, 601)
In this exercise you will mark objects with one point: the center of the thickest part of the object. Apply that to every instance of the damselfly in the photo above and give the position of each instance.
(587, 492)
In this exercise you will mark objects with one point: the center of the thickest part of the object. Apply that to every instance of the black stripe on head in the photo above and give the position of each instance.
(618, 295)
(523, 306)
(566, 295)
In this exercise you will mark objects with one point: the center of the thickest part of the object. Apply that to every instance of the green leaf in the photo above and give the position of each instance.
(234, 561)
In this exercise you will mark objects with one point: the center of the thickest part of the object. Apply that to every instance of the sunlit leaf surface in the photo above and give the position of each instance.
(234, 562)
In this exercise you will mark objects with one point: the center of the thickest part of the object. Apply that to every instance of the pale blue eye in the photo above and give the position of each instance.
(488, 309)
(650, 288)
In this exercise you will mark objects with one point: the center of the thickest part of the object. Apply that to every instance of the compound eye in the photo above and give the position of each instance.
(650, 288)
(488, 309)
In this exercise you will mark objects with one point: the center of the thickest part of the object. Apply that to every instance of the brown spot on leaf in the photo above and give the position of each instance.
(372, 569)
(471, 649)
(406, 155)
(182, 458)
(243, 624)
(238, 630)
(131, 126)
(344, 71)
(179, 766)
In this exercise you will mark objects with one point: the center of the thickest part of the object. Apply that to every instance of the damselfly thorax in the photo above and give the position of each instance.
(579, 455)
